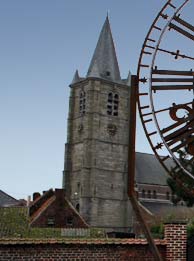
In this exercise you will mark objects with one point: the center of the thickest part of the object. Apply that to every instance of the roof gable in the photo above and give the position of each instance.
(7, 200)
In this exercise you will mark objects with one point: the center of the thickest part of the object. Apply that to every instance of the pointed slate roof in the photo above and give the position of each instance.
(76, 77)
(104, 62)
(128, 80)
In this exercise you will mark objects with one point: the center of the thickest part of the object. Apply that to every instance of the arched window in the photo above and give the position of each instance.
(107, 73)
(112, 104)
(154, 194)
(110, 97)
(149, 194)
(143, 193)
(116, 104)
(109, 103)
(82, 102)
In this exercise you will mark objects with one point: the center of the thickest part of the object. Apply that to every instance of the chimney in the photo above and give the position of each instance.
(175, 234)
(36, 195)
(28, 201)
(60, 193)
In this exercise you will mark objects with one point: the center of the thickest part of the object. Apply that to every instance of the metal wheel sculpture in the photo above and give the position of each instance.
(165, 85)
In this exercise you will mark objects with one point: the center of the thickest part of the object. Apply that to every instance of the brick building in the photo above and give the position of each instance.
(52, 209)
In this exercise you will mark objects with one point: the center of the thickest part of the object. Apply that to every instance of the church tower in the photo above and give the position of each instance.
(96, 152)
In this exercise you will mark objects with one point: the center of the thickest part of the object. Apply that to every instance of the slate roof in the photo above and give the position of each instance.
(169, 210)
(76, 77)
(149, 170)
(6, 200)
(104, 62)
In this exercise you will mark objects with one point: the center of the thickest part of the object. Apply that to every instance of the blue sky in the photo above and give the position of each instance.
(42, 43)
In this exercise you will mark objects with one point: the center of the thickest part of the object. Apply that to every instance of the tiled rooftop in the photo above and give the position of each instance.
(101, 241)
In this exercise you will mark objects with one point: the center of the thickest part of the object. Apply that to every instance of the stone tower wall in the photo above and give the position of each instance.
(96, 164)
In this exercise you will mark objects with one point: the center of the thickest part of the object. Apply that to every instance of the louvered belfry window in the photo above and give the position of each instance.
(112, 104)
(82, 102)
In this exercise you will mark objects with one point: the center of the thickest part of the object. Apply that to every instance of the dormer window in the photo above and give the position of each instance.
(112, 104)
(82, 102)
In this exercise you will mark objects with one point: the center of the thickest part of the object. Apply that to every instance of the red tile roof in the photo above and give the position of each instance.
(103, 241)
(42, 208)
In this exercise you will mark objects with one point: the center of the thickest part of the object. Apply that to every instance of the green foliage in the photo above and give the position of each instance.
(181, 191)
(43, 233)
(157, 231)
(190, 229)
(14, 223)
(97, 233)
(169, 218)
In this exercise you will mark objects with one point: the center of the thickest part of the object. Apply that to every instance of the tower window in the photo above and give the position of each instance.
(116, 97)
(82, 102)
(154, 194)
(110, 98)
(149, 194)
(143, 193)
(112, 104)
(107, 73)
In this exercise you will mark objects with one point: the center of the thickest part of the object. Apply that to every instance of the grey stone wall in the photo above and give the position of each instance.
(96, 165)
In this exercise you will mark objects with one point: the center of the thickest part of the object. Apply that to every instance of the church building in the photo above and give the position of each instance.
(96, 153)
(95, 173)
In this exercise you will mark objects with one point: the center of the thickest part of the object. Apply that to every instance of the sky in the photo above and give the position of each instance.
(42, 43)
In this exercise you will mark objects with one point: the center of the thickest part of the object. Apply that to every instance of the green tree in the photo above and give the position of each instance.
(182, 185)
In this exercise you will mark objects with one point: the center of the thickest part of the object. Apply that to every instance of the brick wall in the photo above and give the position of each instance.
(172, 248)
(74, 252)
(176, 239)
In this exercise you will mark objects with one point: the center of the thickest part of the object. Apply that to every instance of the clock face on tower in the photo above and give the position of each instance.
(112, 129)
(166, 85)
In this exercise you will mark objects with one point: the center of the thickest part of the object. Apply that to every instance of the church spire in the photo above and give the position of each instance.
(104, 62)
(76, 77)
